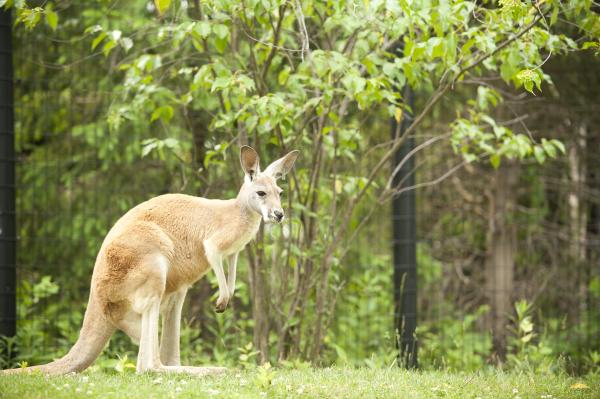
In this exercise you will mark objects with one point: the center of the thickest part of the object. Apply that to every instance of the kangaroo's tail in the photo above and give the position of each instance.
(94, 334)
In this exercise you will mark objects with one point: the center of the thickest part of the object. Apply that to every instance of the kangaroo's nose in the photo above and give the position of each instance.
(278, 215)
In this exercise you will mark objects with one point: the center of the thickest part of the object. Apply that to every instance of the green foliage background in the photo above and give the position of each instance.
(121, 101)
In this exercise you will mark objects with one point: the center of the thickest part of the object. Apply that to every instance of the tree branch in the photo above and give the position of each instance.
(276, 34)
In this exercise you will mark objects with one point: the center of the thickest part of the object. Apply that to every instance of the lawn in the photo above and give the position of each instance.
(307, 383)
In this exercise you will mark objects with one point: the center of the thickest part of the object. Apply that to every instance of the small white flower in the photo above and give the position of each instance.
(178, 389)
(77, 389)
(515, 390)
(243, 382)
(85, 378)
(263, 394)
(157, 380)
(300, 391)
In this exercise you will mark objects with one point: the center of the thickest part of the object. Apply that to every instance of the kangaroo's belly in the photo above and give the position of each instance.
(186, 270)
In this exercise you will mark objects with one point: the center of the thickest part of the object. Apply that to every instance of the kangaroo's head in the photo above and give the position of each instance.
(260, 192)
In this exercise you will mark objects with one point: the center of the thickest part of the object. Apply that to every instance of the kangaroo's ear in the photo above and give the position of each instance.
(282, 166)
(250, 162)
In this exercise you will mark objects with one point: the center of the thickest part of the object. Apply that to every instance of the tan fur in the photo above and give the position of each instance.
(155, 252)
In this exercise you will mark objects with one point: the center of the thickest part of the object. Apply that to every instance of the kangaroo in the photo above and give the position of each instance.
(152, 256)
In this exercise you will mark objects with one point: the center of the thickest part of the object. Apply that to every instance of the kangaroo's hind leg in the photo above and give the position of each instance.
(131, 324)
(171, 324)
(169, 344)
(146, 300)
(149, 282)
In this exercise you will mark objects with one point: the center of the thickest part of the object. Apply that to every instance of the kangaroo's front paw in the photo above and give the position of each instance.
(221, 304)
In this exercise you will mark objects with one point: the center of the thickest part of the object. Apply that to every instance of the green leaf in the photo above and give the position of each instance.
(526, 325)
(51, 18)
(354, 84)
(165, 113)
(221, 45)
(529, 77)
(92, 29)
(251, 122)
(126, 43)
(148, 146)
(162, 5)
(554, 16)
(171, 142)
(202, 28)
(435, 47)
(398, 114)
(589, 45)
(487, 97)
(526, 338)
(115, 34)
(220, 83)
(98, 39)
(220, 30)
(470, 157)
(549, 148)
(558, 144)
(283, 75)
(537, 79)
(30, 17)
(539, 154)
(466, 48)
(495, 161)
(124, 364)
(514, 8)
(108, 46)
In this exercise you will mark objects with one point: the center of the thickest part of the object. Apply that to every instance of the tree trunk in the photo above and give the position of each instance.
(501, 251)
(260, 305)
(578, 216)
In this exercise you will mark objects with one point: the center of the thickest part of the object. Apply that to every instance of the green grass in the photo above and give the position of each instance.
(308, 383)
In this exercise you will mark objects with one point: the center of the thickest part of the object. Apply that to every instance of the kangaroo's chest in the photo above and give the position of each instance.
(240, 239)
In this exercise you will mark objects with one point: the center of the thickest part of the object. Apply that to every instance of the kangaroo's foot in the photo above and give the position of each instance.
(221, 305)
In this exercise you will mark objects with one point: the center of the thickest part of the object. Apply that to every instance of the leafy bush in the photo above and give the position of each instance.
(528, 351)
(454, 342)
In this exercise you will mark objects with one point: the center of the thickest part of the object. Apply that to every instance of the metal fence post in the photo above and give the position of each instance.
(7, 182)
(404, 241)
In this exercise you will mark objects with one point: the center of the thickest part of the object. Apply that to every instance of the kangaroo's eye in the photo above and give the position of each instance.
(261, 193)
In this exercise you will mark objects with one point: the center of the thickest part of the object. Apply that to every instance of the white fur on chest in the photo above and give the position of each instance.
(242, 240)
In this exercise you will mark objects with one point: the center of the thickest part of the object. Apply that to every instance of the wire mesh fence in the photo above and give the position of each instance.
(509, 258)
